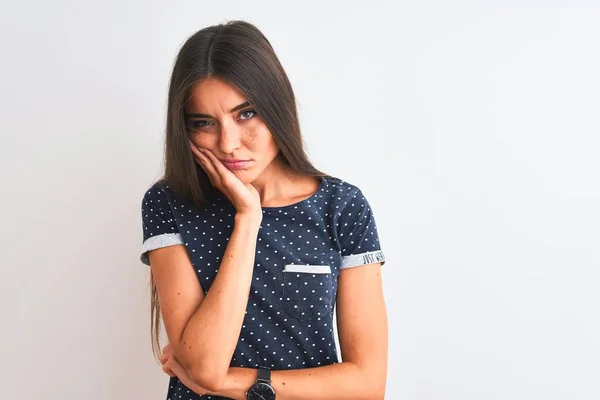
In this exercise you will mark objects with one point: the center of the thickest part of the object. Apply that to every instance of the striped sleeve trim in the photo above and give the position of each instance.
(158, 241)
(356, 260)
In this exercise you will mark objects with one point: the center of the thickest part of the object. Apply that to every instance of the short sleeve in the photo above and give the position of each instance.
(158, 223)
(357, 233)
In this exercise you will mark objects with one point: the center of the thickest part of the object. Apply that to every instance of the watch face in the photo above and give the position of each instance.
(261, 391)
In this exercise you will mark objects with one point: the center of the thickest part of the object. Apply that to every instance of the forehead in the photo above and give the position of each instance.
(214, 95)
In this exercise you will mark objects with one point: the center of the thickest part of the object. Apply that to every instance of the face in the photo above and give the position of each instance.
(219, 118)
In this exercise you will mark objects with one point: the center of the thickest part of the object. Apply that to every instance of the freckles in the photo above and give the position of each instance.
(252, 134)
(200, 139)
(257, 137)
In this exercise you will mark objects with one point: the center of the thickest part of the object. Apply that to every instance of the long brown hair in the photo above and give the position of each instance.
(238, 53)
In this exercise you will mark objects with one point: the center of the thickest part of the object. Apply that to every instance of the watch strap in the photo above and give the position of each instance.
(264, 374)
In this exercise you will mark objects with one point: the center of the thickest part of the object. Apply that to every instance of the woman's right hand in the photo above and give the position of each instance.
(243, 196)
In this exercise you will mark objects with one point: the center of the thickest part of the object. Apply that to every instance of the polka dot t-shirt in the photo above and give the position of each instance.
(300, 251)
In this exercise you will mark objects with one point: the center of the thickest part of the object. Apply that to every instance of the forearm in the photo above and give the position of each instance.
(211, 335)
(343, 380)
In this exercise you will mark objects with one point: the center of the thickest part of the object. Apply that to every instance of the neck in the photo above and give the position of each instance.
(278, 184)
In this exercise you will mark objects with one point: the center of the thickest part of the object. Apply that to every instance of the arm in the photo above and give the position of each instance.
(205, 349)
(363, 332)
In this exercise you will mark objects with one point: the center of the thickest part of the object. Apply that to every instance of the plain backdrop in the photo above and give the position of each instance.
(471, 126)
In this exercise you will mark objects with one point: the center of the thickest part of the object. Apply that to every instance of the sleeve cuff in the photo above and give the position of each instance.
(356, 260)
(156, 242)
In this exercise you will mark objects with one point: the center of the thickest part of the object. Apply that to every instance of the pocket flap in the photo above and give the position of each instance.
(309, 269)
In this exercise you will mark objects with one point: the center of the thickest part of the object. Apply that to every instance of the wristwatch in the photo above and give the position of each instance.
(262, 389)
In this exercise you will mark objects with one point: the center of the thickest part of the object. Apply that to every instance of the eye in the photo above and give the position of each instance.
(198, 124)
(253, 113)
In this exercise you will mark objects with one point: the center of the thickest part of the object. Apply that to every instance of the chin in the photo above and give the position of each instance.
(245, 176)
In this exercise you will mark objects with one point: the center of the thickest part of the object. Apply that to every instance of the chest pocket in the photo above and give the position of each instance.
(307, 291)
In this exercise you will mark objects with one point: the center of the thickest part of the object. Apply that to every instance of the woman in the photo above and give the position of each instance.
(250, 246)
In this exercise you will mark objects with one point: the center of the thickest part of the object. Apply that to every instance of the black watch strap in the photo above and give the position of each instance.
(264, 374)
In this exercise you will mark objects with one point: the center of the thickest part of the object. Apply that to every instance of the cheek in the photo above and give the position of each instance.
(202, 139)
(252, 138)
(260, 140)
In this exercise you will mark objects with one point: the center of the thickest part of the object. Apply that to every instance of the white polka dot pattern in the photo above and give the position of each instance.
(300, 251)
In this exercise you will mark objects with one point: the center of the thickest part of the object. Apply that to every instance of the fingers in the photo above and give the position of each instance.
(168, 370)
(166, 361)
(167, 352)
(211, 171)
(218, 174)
(206, 165)
(217, 164)
(164, 358)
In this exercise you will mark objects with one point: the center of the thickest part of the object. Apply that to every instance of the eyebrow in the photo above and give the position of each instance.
(234, 109)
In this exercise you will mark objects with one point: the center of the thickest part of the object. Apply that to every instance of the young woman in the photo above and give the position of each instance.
(250, 246)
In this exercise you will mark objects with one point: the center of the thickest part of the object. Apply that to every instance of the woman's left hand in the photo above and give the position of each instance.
(166, 361)
(172, 366)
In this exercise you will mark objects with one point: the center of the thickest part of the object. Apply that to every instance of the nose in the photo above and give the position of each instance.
(229, 138)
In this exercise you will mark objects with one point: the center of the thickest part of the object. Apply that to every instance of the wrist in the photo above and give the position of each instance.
(248, 219)
(238, 381)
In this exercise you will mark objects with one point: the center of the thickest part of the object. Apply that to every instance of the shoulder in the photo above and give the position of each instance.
(342, 193)
(158, 198)
(157, 192)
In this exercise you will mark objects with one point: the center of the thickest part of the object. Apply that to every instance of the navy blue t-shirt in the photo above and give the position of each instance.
(300, 251)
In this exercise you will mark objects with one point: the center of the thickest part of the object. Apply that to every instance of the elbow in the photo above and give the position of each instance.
(379, 393)
(375, 383)
(375, 392)
(378, 384)
(204, 371)
(211, 379)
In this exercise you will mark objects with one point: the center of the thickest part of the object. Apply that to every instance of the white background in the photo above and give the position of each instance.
(472, 127)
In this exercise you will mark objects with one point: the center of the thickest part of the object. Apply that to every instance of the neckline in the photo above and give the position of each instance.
(312, 197)
(301, 202)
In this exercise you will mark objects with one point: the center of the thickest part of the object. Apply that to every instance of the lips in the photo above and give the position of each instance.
(236, 164)
(233, 161)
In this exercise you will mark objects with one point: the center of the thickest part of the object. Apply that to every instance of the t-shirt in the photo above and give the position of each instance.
(300, 250)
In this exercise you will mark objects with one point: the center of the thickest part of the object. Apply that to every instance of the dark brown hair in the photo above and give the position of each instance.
(238, 53)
